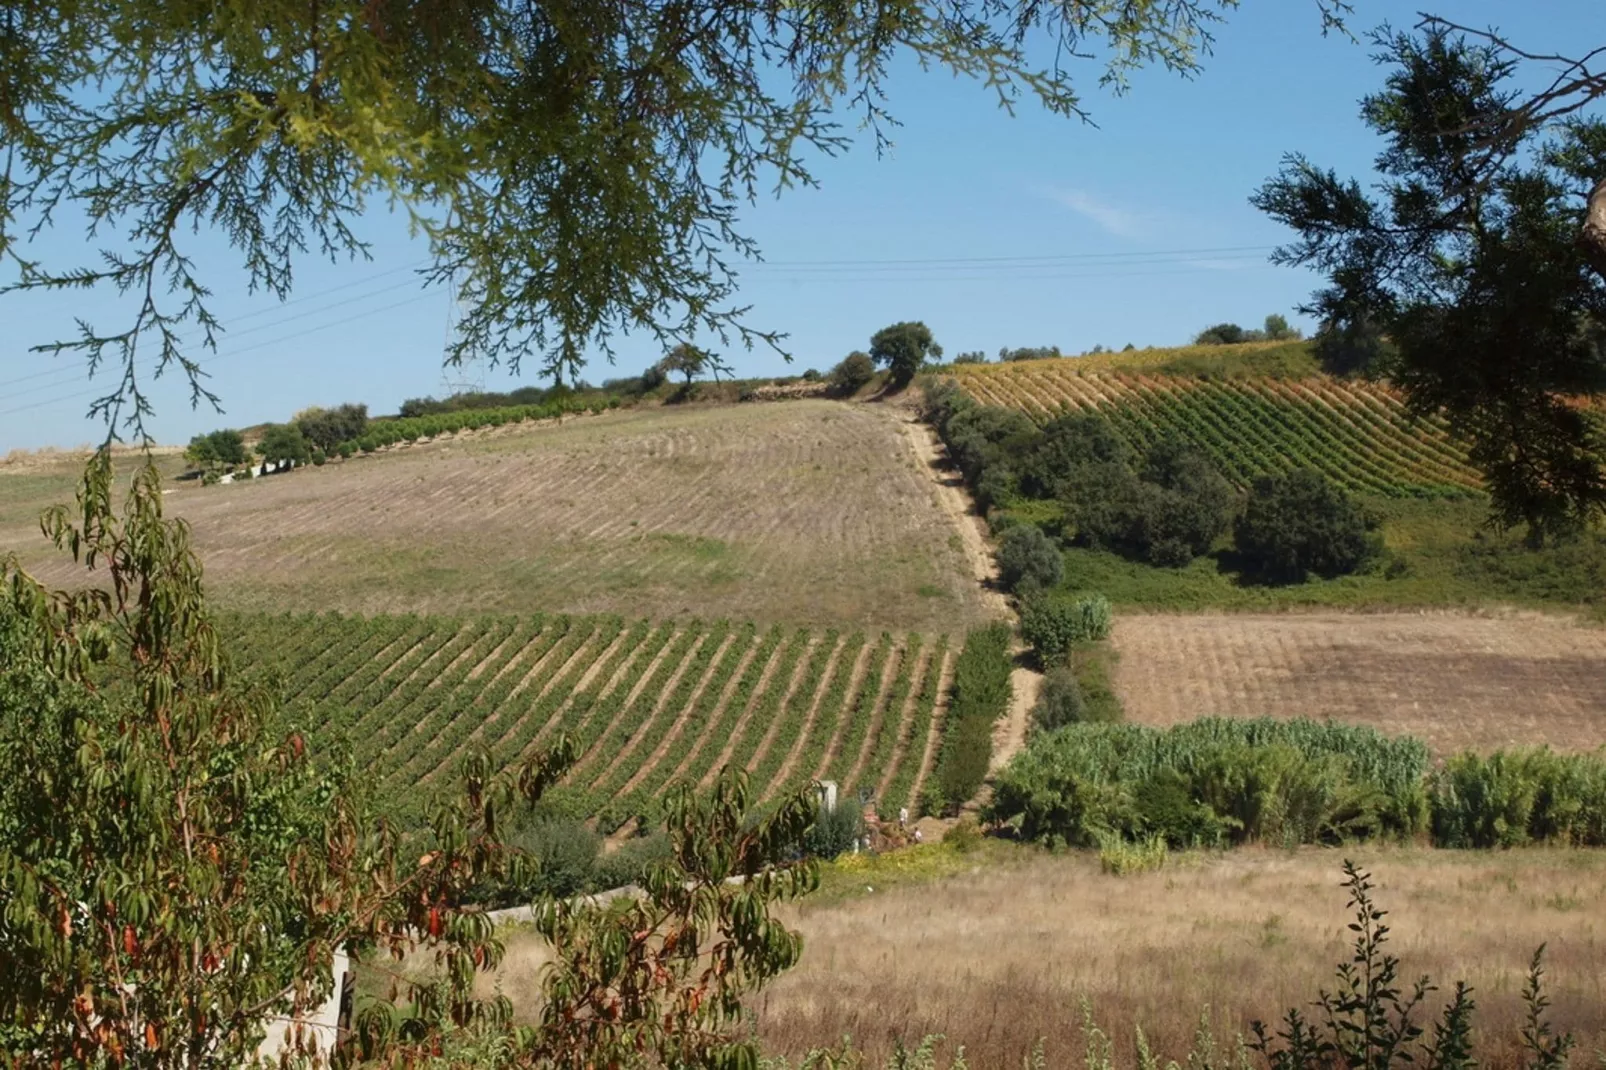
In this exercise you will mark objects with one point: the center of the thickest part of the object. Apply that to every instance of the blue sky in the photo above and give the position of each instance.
(1137, 230)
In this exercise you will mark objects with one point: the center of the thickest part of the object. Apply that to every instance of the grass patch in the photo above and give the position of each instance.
(1437, 554)
(1094, 664)
(855, 876)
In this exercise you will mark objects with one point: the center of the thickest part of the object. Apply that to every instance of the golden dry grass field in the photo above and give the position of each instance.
(1453, 680)
(807, 512)
(998, 954)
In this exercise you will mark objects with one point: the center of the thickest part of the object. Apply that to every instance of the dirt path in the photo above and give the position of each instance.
(956, 504)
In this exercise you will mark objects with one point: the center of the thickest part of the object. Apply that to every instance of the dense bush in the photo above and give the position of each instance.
(852, 373)
(1028, 559)
(216, 449)
(565, 854)
(835, 831)
(282, 443)
(1167, 514)
(1301, 523)
(1051, 625)
(328, 428)
(1064, 446)
(1007, 355)
(1060, 702)
(1512, 798)
(979, 697)
(1215, 781)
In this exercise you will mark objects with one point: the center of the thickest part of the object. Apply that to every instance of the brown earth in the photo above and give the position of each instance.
(1456, 681)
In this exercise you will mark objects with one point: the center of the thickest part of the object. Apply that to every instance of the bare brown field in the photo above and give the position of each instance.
(1454, 681)
(808, 512)
(1000, 955)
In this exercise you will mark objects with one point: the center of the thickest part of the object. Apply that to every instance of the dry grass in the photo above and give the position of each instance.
(996, 949)
(998, 958)
(808, 511)
(1453, 680)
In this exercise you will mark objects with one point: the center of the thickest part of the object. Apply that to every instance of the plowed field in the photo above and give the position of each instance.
(804, 512)
(1454, 681)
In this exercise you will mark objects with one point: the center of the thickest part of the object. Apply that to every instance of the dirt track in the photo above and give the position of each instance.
(1455, 681)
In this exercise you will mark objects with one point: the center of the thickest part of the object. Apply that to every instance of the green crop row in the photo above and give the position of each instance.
(660, 704)
(886, 736)
(901, 789)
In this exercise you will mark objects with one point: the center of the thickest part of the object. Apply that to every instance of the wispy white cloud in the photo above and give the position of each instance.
(1111, 218)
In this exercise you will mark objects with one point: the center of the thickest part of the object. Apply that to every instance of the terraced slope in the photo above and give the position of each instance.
(649, 704)
(1359, 434)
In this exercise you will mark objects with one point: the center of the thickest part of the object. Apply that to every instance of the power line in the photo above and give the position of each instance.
(61, 375)
(320, 294)
(81, 395)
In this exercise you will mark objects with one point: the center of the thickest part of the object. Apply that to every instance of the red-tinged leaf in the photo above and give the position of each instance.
(150, 1037)
(434, 921)
(130, 941)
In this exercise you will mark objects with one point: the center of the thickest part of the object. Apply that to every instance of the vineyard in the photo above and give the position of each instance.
(648, 704)
(1358, 434)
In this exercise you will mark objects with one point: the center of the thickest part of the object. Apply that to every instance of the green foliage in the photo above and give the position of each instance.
(974, 356)
(1167, 514)
(563, 852)
(1052, 624)
(979, 697)
(1298, 524)
(1120, 857)
(1007, 355)
(1215, 781)
(835, 831)
(854, 370)
(689, 361)
(1060, 702)
(1028, 559)
(903, 349)
(284, 444)
(1068, 443)
(328, 428)
(217, 449)
(1221, 334)
(1513, 798)
(1474, 259)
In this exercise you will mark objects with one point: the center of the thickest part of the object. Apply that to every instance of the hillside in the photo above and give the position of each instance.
(648, 704)
(809, 512)
(1358, 433)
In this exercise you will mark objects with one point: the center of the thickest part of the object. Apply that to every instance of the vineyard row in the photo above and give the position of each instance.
(648, 704)
(1359, 434)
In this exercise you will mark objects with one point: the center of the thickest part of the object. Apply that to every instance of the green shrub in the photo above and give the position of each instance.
(1027, 556)
(630, 863)
(979, 697)
(835, 831)
(1050, 625)
(564, 852)
(1060, 702)
(1166, 515)
(1511, 798)
(1301, 523)
(1215, 781)
(855, 370)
